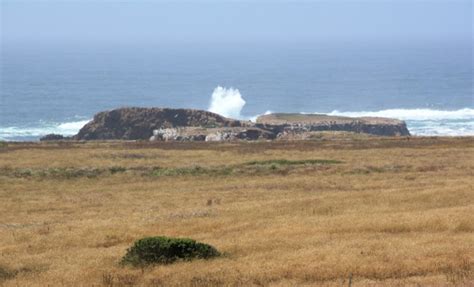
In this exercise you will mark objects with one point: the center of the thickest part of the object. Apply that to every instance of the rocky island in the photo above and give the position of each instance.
(285, 124)
(167, 124)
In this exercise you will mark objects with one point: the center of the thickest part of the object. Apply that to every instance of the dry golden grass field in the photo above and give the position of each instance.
(391, 212)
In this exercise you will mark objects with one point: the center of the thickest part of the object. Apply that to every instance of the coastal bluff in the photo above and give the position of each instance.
(165, 124)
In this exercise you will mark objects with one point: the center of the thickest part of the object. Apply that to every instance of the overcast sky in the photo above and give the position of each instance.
(100, 22)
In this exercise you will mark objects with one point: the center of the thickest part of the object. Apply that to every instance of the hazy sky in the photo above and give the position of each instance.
(101, 22)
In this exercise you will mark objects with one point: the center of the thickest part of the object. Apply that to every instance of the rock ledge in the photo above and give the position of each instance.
(299, 123)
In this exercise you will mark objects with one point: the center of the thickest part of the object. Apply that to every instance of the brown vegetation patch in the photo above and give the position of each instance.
(392, 212)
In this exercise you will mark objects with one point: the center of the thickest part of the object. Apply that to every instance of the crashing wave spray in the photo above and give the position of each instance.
(227, 102)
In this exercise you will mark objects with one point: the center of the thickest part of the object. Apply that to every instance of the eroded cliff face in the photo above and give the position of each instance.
(283, 124)
(139, 123)
(196, 125)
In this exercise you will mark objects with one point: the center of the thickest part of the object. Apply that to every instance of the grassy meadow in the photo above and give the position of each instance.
(325, 212)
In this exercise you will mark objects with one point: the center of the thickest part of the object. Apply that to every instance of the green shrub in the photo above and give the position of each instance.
(165, 250)
(117, 169)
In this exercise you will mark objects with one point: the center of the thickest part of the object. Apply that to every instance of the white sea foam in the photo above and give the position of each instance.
(227, 102)
(71, 128)
(254, 118)
(41, 129)
(441, 127)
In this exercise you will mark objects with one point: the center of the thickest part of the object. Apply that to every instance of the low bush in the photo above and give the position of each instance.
(193, 171)
(6, 273)
(57, 173)
(117, 169)
(69, 172)
(294, 162)
(166, 250)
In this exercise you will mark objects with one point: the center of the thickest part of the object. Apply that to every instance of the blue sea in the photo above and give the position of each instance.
(58, 89)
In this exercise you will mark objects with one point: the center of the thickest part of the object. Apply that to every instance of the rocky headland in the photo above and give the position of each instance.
(163, 124)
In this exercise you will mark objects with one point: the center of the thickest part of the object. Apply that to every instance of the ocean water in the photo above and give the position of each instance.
(58, 89)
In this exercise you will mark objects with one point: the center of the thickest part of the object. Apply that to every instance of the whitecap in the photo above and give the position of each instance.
(35, 131)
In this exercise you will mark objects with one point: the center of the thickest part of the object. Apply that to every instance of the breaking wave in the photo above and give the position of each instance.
(227, 102)
(33, 132)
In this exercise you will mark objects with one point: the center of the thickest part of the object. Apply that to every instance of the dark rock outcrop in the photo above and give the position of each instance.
(52, 137)
(139, 123)
(196, 125)
(282, 124)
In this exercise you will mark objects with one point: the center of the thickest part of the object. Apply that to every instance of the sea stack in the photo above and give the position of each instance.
(139, 123)
(164, 124)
